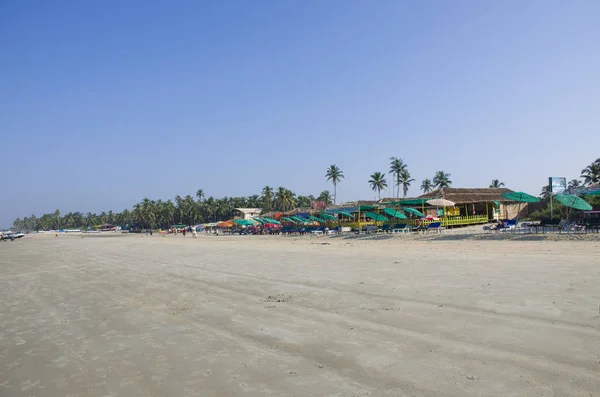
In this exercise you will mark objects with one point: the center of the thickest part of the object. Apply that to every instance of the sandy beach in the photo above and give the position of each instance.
(456, 315)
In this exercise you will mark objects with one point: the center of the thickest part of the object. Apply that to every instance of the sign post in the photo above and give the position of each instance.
(557, 185)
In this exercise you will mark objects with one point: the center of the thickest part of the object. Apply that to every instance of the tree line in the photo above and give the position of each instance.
(190, 210)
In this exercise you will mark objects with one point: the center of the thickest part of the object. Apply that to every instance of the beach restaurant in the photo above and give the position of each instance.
(449, 206)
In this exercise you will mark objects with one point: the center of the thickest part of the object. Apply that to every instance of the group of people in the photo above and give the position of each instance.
(185, 230)
(9, 237)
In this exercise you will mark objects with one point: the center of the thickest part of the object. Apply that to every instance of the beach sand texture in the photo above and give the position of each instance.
(259, 316)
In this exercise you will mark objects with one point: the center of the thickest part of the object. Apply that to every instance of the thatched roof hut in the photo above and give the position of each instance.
(468, 196)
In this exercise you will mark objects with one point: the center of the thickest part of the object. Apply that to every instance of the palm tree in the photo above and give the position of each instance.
(200, 195)
(591, 173)
(396, 167)
(496, 184)
(284, 198)
(573, 184)
(267, 194)
(405, 181)
(325, 196)
(441, 180)
(335, 175)
(426, 185)
(378, 182)
(546, 193)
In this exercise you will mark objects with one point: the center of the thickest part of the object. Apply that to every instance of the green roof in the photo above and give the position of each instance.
(394, 213)
(408, 202)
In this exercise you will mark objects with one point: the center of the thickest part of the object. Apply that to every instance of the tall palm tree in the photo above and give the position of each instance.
(335, 175)
(591, 173)
(496, 184)
(396, 167)
(200, 195)
(405, 181)
(441, 180)
(426, 185)
(378, 182)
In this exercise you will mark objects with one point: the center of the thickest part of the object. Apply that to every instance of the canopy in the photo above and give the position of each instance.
(289, 219)
(225, 224)
(573, 201)
(441, 202)
(330, 217)
(314, 218)
(521, 197)
(244, 222)
(345, 213)
(269, 220)
(377, 217)
(299, 220)
(409, 202)
(413, 211)
(593, 193)
(259, 220)
(394, 213)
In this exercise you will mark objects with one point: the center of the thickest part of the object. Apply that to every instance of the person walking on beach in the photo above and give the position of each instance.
(184, 229)
(194, 234)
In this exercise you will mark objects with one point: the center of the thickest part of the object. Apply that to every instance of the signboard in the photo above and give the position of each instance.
(557, 184)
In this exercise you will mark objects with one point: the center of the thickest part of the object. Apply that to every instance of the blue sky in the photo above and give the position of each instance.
(105, 103)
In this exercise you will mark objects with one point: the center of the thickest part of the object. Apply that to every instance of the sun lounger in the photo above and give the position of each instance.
(435, 226)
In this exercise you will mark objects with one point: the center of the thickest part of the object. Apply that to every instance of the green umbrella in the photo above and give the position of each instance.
(289, 220)
(330, 217)
(394, 213)
(572, 201)
(413, 211)
(521, 197)
(346, 213)
(269, 220)
(314, 218)
(376, 217)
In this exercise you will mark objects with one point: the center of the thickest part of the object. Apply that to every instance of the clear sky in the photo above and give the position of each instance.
(103, 103)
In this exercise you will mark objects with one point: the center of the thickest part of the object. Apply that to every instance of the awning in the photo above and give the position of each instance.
(244, 222)
(413, 211)
(314, 218)
(289, 219)
(300, 220)
(377, 217)
(259, 220)
(394, 213)
(410, 202)
(345, 213)
(269, 220)
(330, 217)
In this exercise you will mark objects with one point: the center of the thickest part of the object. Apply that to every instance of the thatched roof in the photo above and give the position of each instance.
(468, 196)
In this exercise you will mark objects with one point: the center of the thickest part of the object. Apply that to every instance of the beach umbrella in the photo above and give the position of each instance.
(572, 201)
(520, 197)
(395, 213)
(413, 211)
(244, 222)
(330, 217)
(441, 202)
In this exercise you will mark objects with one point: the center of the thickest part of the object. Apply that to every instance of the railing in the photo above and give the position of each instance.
(450, 221)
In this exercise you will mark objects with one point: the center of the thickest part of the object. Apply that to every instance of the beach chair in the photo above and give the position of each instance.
(435, 226)
(401, 228)
(387, 228)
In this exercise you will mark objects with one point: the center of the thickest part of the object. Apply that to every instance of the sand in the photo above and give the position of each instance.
(171, 316)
